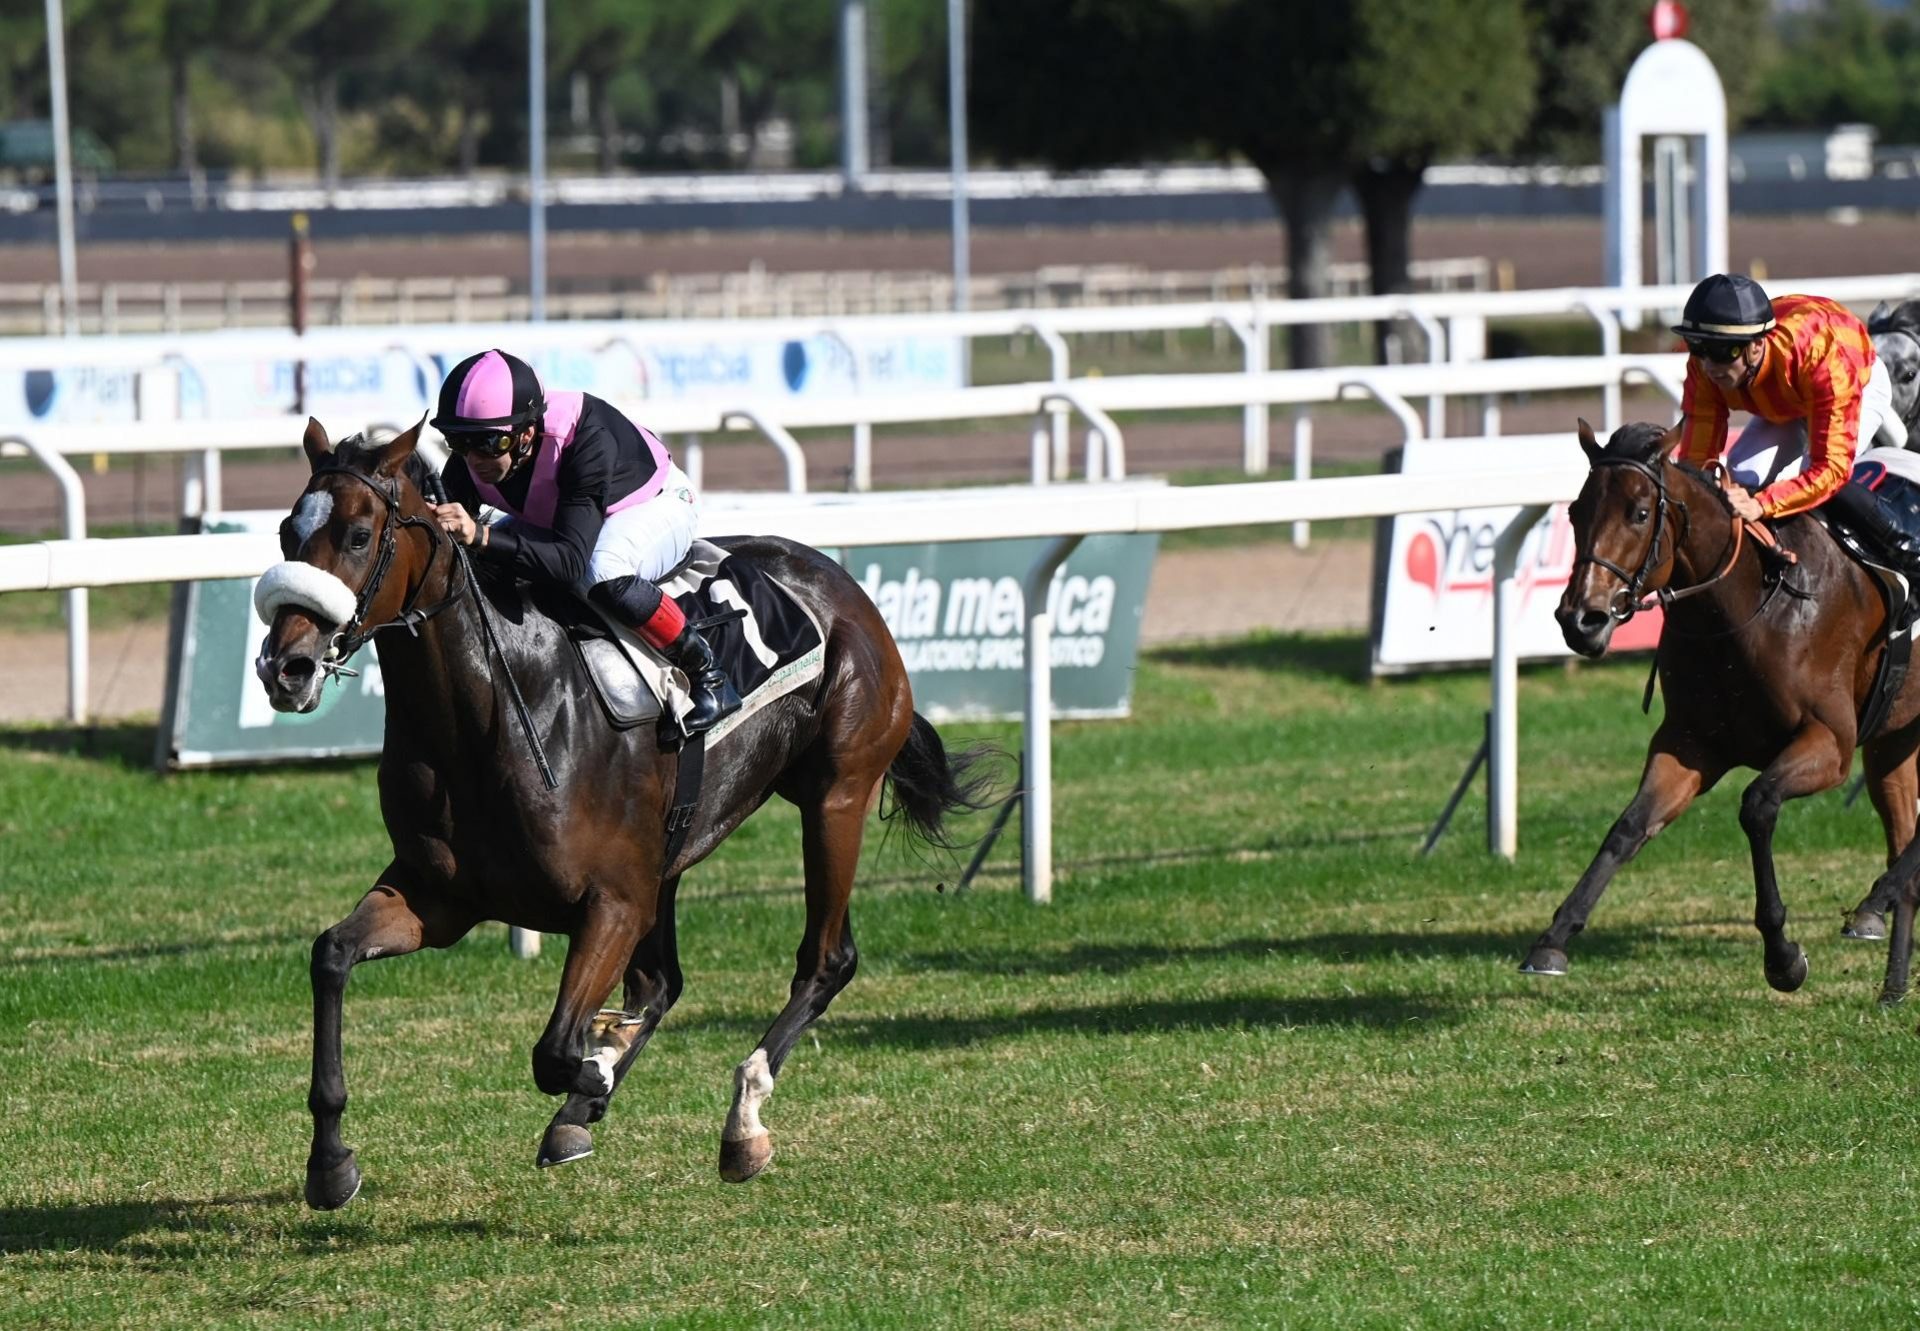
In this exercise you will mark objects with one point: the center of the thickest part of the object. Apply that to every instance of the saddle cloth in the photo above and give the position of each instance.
(1894, 475)
(762, 636)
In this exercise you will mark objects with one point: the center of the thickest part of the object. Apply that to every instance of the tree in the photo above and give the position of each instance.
(348, 34)
(1582, 49)
(188, 28)
(1855, 65)
(1309, 93)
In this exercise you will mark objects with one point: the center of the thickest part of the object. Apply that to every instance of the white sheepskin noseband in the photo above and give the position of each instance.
(303, 585)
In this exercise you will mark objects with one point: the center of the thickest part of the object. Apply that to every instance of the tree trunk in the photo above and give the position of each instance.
(185, 159)
(323, 113)
(1306, 201)
(471, 124)
(1386, 191)
(609, 126)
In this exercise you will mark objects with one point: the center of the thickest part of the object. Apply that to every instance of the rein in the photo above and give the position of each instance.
(351, 636)
(1627, 601)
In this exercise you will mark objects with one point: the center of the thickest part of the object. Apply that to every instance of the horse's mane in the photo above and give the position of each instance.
(1642, 442)
(363, 452)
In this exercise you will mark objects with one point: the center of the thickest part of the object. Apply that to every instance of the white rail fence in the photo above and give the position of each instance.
(1092, 400)
(849, 521)
(1453, 325)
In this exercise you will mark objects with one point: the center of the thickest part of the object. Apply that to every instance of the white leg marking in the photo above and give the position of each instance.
(752, 1084)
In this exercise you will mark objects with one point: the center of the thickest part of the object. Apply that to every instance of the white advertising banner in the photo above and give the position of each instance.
(386, 383)
(1435, 594)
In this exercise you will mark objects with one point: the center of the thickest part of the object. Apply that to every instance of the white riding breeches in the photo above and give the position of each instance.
(1767, 451)
(647, 540)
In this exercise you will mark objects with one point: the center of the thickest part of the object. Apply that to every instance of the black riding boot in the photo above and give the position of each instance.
(1866, 515)
(714, 697)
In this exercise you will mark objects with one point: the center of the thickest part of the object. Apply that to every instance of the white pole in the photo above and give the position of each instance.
(1036, 815)
(957, 133)
(853, 92)
(1503, 764)
(62, 165)
(537, 160)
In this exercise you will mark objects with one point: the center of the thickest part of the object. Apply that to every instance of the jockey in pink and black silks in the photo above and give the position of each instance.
(594, 503)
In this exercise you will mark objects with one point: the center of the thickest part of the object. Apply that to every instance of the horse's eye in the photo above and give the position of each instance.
(1642, 514)
(359, 538)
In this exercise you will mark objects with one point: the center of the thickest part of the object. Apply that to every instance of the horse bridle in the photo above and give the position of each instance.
(1627, 601)
(351, 636)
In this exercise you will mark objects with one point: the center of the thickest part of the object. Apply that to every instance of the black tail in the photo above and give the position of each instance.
(929, 783)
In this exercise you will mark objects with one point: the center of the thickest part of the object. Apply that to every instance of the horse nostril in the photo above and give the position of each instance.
(1591, 622)
(297, 670)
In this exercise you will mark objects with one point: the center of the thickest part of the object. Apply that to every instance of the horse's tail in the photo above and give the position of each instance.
(928, 782)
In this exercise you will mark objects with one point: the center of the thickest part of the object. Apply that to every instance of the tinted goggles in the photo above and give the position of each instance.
(1712, 349)
(485, 443)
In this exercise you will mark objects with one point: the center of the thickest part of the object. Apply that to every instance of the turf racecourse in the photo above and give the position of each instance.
(1258, 1065)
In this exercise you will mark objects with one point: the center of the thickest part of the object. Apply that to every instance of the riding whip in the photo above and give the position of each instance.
(436, 494)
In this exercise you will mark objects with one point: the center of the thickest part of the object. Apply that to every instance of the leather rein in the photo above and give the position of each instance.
(351, 636)
(1628, 600)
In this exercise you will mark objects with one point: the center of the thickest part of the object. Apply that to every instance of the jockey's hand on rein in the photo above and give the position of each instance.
(456, 522)
(1744, 504)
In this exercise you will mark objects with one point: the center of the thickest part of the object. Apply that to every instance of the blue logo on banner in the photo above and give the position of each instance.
(793, 362)
(40, 388)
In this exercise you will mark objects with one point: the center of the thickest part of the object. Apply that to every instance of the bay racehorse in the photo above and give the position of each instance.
(478, 835)
(1762, 665)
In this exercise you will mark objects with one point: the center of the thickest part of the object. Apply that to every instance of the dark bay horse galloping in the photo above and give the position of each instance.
(1758, 668)
(478, 836)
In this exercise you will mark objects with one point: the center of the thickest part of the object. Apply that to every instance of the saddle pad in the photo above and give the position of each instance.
(767, 641)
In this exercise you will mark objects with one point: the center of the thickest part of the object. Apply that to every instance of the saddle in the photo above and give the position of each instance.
(766, 640)
(1893, 574)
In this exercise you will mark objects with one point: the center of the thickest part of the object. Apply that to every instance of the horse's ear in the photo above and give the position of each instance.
(395, 452)
(1876, 321)
(1670, 441)
(1588, 444)
(319, 447)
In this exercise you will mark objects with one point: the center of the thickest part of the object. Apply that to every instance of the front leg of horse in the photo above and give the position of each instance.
(1668, 785)
(618, 1035)
(564, 1060)
(1813, 761)
(388, 922)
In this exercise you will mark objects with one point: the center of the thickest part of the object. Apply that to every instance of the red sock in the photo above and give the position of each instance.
(662, 628)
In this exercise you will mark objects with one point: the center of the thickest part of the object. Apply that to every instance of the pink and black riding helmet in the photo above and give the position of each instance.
(489, 392)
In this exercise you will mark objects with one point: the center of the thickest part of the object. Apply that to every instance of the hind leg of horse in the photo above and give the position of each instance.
(653, 985)
(598, 951)
(1892, 786)
(1902, 883)
(1672, 780)
(831, 828)
(1812, 761)
(390, 921)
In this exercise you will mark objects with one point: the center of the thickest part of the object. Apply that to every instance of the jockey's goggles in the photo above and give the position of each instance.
(486, 443)
(1715, 349)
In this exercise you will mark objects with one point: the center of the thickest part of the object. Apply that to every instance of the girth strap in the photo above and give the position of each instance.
(686, 798)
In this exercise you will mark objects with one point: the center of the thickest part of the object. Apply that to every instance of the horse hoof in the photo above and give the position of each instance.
(1892, 997)
(563, 1144)
(331, 1189)
(741, 1160)
(1867, 925)
(1795, 975)
(1544, 961)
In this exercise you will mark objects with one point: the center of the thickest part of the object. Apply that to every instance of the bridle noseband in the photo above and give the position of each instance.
(351, 636)
(1627, 600)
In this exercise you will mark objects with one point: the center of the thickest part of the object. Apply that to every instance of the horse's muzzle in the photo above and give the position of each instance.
(292, 679)
(1587, 630)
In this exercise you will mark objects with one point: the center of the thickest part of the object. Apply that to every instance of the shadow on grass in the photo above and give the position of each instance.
(127, 744)
(1497, 949)
(54, 955)
(117, 1226)
(1340, 656)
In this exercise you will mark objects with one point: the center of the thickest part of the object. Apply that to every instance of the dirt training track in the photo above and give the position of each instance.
(1542, 253)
